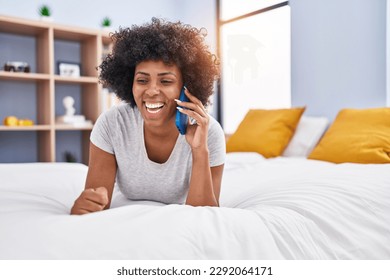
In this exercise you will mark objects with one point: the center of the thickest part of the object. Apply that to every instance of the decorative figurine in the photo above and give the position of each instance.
(70, 117)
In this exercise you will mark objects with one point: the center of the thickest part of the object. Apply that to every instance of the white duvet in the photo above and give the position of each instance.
(282, 208)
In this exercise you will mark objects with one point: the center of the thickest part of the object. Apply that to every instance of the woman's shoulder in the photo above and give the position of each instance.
(214, 124)
(215, 129)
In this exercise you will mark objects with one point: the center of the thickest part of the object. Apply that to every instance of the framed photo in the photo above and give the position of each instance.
(69, 69)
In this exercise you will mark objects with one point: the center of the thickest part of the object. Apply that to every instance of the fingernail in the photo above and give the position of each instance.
(177, 100)
(179, 108)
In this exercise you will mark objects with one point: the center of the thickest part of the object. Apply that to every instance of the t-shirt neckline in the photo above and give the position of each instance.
(145, 153)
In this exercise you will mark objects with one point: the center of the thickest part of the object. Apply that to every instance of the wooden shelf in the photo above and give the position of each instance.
(76, 80)
(22, 26)
(18, 76)
(73, 127)
(92, 43)
(25, 128)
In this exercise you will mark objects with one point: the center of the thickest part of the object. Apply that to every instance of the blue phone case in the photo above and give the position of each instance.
(182, 119)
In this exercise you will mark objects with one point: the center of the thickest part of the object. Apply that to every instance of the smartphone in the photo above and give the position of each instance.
(182, 119)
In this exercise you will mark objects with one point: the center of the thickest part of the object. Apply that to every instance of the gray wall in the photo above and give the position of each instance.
(338, 54)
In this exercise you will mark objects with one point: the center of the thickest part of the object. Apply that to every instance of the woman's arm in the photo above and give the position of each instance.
(99, 184)
(205, 182)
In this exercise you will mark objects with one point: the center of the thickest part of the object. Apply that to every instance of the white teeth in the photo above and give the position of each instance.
(154, 111)
(154, 108)
(153, 105)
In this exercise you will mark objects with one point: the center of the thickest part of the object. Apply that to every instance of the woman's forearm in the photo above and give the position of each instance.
(201, 190)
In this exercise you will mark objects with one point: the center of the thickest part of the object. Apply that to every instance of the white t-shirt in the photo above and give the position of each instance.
(119, 131)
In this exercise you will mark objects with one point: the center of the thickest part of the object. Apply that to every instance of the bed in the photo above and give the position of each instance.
(287, 206)
(280, 208)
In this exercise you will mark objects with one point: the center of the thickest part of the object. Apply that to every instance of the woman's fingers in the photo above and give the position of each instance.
(97, 195)
(195, 104)
(91, 200)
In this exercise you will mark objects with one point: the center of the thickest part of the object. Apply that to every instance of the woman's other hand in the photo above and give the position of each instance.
(90, 200)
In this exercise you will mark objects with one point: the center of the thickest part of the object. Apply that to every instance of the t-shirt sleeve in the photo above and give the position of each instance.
(216, 143)
(100, 135)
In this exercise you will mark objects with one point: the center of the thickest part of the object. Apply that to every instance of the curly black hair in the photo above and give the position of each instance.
(171, 42)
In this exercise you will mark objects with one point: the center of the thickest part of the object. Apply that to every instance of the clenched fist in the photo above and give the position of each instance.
(90, 200)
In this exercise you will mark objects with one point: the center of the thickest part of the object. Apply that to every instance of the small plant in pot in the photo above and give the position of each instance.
(45, 13)
(106, 23)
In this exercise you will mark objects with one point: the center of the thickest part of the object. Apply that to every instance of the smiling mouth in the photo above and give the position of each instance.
(154, 108)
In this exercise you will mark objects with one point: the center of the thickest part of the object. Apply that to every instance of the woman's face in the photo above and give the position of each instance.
(155, 87)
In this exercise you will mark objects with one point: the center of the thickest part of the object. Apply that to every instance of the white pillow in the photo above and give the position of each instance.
(307, 134)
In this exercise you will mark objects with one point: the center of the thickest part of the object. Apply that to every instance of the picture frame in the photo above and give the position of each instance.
(69, 69)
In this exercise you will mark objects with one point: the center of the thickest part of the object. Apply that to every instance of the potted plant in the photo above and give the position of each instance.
(106, 23)
(45, 13)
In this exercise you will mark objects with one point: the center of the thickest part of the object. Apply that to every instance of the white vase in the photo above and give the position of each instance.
(106, 29)
(46, 18)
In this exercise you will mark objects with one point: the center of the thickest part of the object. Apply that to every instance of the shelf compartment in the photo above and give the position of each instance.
(31, 146)
(34, 49)
(75, 142)
(26, 99)
(83, 52)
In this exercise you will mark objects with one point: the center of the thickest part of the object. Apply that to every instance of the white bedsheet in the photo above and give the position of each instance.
(315, 209)
(282, 208)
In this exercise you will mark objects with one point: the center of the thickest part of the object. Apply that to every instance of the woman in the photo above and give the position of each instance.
(137, 145)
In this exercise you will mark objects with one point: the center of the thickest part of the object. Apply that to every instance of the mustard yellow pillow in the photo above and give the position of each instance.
(266, 132)
(356, 135)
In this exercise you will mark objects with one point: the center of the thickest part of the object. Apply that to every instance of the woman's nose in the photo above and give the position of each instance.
(153, 90)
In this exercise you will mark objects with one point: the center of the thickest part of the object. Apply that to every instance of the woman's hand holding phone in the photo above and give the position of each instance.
(196, 134)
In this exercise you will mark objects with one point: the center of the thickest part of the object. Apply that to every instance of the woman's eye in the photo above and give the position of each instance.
(166, 82)
(142, 81)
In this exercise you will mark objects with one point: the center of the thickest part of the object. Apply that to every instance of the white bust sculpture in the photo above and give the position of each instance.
(68, 102)
(70, 117)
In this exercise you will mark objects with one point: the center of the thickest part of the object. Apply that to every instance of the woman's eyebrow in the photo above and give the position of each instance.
(166, 73)
(159, 74)
(142, 73)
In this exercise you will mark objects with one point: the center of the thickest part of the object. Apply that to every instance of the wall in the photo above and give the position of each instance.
(338, 54)
(388, 52)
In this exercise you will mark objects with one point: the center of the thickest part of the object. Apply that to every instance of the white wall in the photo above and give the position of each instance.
(200, 13)
(388, 52)
(338, 54)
